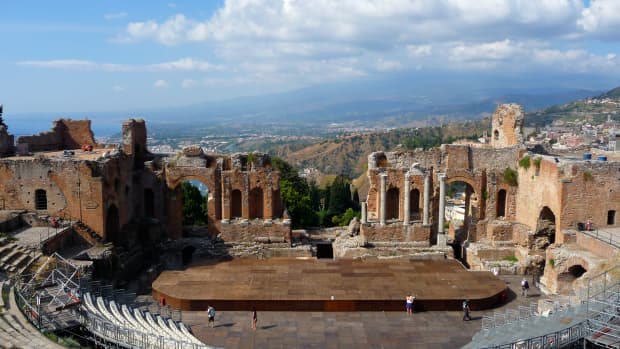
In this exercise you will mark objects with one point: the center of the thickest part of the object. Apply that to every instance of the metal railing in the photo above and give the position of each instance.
(553, 340)
(604, 236)
(130, 338)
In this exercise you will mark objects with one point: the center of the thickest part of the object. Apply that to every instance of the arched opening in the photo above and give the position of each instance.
(501, 203)
(112, 228)
(40, 199)
(545, 229)
(392, 203)
(256, 203)
(194, 196)
(149, 204)
(496, 135)
(186, 255)
(462, 208)
(566, 279)
(611, 217)
(235, 204)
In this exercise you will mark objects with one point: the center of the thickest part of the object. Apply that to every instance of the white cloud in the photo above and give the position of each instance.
(498, 50)
(115, 16)
(175, 30)
(385, 65)
(420, 50)
(160, 84)
(188, 83)
(367, 24)
(61, 64)
(602, 19)
(182, 64)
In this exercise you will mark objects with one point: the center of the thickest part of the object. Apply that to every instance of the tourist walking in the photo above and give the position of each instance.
(466, 316)
(254, 319)
(524, 287)
(409, 304)
(211, 315)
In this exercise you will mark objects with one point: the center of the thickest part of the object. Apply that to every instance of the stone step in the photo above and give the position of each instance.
(6, 249)
(14, 252)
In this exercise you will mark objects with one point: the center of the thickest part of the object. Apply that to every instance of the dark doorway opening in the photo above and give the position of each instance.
(501, 203)
(186, 255)
(235, 205)
(40, 199)
(392, 204)
(611, 217)
(324, 250)
(112, 226)
(256, 203)
(149, 203)
(576, 271)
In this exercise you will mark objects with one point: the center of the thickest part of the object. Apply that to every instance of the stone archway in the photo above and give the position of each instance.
(568, 277)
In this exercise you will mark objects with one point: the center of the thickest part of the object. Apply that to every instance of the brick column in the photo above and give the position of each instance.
(407, 204)
(364, 212)
(427, 199)
(442, 203)
(382, 198)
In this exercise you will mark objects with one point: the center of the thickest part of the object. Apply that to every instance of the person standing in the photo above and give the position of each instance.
(211, 315)
(254, 319)
(466, 316)
(524, 287)
(409, 304)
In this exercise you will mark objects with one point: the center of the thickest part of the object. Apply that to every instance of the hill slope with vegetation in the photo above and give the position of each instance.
(595, 110)
(348, 154)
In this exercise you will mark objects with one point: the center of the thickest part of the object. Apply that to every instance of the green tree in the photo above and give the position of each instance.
(297, 195)
(346, 217)
(340, 196)
(194, 205)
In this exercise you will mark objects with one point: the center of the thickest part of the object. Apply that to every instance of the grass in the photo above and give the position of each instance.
(510, 259)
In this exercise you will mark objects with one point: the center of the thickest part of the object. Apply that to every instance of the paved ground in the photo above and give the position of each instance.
(357, 330)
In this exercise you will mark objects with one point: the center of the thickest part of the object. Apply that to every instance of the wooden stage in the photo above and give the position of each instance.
(309, 284)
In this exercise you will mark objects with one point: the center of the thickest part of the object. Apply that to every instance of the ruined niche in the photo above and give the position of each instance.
(545, 230)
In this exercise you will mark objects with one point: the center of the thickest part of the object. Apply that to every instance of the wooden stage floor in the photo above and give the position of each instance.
(309, 284)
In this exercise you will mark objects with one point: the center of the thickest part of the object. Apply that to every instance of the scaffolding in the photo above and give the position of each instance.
(603, 309)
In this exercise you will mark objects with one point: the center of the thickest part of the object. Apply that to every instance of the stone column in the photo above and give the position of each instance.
(427, 199)
(407, 204)
(364, 212)
(382, 199)
(442, 204)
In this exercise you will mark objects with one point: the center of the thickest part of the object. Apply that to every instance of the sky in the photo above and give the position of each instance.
(108, 55)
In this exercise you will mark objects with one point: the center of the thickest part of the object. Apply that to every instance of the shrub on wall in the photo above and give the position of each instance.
(525, 162)
(511, 177)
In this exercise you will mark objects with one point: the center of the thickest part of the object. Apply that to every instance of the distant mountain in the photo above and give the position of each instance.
(593, 108)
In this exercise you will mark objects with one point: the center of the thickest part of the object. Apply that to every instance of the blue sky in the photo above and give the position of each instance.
(126, 55)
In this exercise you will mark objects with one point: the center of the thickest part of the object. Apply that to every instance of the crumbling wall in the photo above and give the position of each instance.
(506, 126)
(65, 134)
